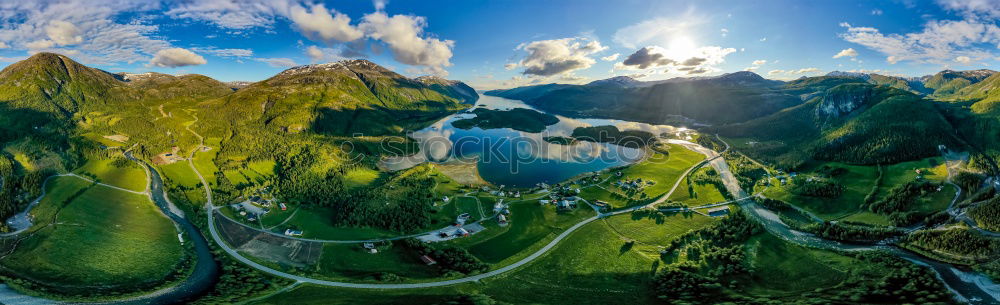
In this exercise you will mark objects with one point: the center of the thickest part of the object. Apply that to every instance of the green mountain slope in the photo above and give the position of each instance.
(948, 82)
(852, 122)
(729, 98)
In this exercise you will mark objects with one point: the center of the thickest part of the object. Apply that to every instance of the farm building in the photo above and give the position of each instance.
(290, 232)
(427, 260)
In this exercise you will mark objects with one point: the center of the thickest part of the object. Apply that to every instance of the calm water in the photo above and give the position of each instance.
(515, 158)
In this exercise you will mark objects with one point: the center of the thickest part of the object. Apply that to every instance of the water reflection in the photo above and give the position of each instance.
(516, 158)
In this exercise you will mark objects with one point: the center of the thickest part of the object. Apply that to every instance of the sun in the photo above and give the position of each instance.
(682, 47)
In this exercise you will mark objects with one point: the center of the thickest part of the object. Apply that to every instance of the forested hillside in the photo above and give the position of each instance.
(729, 98)
(851, 122)
(55, 114)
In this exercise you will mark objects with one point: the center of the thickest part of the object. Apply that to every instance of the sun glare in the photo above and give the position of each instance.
(682, 47)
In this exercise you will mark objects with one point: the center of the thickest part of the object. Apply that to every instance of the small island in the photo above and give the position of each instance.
(519, 119)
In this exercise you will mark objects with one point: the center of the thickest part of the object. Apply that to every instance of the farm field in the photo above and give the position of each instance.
(205, 161)
(777, 261)
(694, 194)
(663, 170)
(102, 237)
(860, 181)
(529, 225)
(130, 176)
(350, 261)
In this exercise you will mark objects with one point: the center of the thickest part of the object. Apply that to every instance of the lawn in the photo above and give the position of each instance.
(103, 237)
(130, 177)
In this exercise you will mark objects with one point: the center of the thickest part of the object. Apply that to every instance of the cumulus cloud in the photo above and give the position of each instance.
(176, 57)
(849, 52)
(63, 33)
(973, 8)
(939, 42)
(558, 56)
(314, 53)
(318, 23)
(612, 57)
(277, 62)
(40, 44)
(652, 56)
(684, 61)
(510, 66)
(404, 35)
(963, 59)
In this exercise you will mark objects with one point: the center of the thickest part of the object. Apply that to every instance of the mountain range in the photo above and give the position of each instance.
(851, 117)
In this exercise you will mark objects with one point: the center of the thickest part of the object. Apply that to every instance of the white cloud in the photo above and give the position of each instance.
(314, 53)
(756, 65)
(963, 59)
(939, 42)
(973, 8)
(40, 44)
(510, 66)
(877, 12)
(63, 33)
(558, 56)
(176, 57)
(94, 30)
(318, 24)
(612, 57)
(762, 39)
(849, 52)
(404, 35)
(4, 45)
(277, 62)
(232, 53)
(724, 32)
(789, 73)
(231, 14)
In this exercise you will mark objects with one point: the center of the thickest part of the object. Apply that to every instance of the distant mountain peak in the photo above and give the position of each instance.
(623, 81)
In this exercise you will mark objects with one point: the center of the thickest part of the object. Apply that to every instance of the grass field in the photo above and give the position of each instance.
(785, 269)
(204, 161)
(316, 222)
(657, 228)
(358, 177)
(180, 173)
(529, 224)
(352, 262)
(664, 172)
(694, 194)
(101, 237)
(131, 177)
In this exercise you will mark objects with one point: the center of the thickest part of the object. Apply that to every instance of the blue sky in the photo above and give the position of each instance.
(492, 44)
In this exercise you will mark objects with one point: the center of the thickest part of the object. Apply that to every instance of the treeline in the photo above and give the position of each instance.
(451, 260)
(611, 134)
(851, 232)
(815, 187)
(962, 243)
(987, 214)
